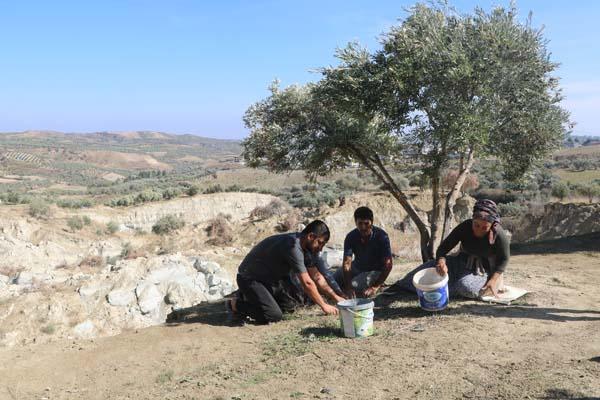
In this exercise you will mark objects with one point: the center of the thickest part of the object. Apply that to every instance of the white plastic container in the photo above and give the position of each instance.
(356, 317)
(432, 289)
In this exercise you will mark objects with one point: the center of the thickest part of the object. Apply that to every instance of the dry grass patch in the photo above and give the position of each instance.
(219, 230)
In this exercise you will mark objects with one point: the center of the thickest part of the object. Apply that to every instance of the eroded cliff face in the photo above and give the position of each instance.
(196, 210)
(559, 220)
(60, 283)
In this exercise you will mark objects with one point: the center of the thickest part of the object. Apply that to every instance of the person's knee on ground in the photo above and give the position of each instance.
(469, 286)
(362, 281)
(406, 283)
(274, 315)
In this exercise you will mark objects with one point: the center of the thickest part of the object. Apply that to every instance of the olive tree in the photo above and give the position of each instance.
(443, 89)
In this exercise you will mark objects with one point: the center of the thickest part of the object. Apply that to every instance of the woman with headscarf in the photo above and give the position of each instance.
(484, 252)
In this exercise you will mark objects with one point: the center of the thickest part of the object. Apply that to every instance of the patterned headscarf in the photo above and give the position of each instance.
(487, 210)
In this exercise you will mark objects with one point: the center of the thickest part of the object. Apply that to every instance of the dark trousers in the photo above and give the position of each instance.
(266, 302)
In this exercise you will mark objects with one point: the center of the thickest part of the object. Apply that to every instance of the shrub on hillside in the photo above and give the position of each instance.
(75, 223)
(171, 193)
(589, 190)
(112, 227)
(192, 190)
(219, 231)
(561, 190)
(167, 224)
(512, 209)
(12, 198)
(92, 262)
(349, 182)
(147, 196)
(313, 196)
(275, 207)
(497, 195)
(74, 203)
(39, 209)
(213, 189)
(289, 222)
(129, 253)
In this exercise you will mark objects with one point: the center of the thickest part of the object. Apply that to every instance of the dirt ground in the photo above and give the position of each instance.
(546, 346)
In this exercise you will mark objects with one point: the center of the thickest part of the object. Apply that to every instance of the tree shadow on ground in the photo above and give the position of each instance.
(496, 310)
(396, 302)
(566, 394)
(569, 244)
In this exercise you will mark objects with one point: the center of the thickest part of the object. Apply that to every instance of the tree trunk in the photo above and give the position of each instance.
(375, 165)
(436, 213)
(465, 168)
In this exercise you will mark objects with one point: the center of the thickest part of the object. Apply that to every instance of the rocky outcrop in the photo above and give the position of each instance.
(131, 294)
(559, 220)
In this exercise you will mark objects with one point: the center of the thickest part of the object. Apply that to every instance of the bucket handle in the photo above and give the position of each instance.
(355, 313)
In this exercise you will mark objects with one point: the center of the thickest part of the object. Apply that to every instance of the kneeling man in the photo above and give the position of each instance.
(372, 253)
(265, 288)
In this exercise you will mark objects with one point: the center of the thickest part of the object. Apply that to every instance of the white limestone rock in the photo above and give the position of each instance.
(206, 267)
(149, 298)
(85, 330)
(121, 297)
(24, 278)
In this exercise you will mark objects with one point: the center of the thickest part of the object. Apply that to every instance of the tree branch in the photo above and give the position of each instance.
(455, 191)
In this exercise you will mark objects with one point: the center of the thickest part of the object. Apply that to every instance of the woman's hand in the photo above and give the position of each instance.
(492, 285)
(440, 266)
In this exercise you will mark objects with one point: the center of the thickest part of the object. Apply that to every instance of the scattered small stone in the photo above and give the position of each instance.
(326, 390)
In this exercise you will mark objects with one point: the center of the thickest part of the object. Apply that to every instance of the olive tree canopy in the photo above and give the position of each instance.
(443, 89)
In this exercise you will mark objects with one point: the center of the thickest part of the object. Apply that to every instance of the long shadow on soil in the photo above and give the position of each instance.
(569, 244)
(210, 313)
(321, 332)
(566, 394)
(409, 309)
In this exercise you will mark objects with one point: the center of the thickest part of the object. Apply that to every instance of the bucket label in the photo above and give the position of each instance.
(432, 297)
(434, 300)
(363, 322)
(356, 323)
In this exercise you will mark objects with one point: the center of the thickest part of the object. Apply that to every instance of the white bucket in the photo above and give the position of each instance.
(432, 289)
(356, 317)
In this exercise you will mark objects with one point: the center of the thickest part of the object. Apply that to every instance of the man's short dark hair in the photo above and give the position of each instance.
(363, 213)
(317, 227)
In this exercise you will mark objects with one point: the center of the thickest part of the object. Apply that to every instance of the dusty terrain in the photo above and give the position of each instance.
(544, 347)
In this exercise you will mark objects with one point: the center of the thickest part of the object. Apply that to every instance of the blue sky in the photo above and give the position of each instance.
(195, 66)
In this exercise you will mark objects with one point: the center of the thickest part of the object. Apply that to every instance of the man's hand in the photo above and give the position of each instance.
(441, 267)
(371, 291)
(330, 310)
(339, 298)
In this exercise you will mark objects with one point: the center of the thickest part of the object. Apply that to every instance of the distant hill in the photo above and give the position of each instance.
(82, 158)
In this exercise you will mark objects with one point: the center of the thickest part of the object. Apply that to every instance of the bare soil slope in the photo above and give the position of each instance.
(545, 347)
